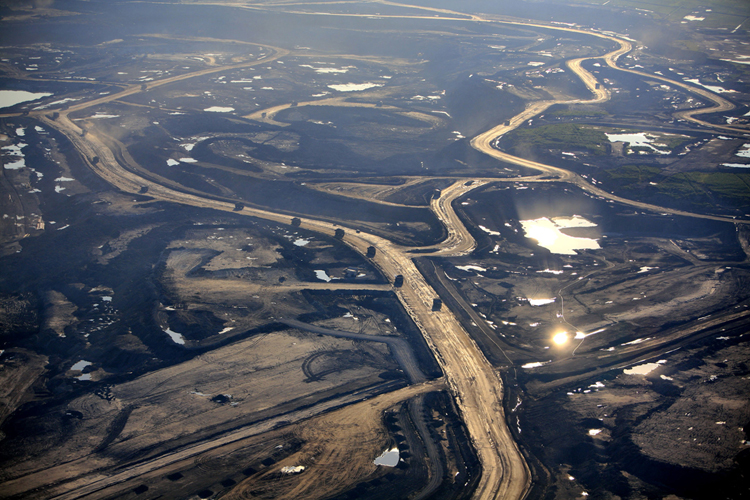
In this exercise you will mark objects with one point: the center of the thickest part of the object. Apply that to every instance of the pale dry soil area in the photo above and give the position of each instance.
(242, 382)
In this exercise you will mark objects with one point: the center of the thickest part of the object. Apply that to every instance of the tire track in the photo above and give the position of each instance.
(401, 350)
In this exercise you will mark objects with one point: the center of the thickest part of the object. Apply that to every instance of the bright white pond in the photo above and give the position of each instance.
(548, 235)
(219, 109)
(389, 458)
(322, 275)
(177, 338)
(10, 98)
(644, 369)
(354, 87)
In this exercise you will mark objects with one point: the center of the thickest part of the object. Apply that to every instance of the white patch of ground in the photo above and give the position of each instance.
(541, 302)
(537, 364)
(551, 271)
(389, 458)
(321, 275)
(219, 109)
(177, 338)
(644, 369)
(292, 469)
(10, 98)
(489, 231)
(354, 87)
(640, 139)
(80, 365)
(16, 165)
(712, 88)
(325, 70)
(472, 267)
(55, 103)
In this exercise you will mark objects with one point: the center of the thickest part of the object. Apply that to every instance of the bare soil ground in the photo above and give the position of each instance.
(59, 312)
(673, 300)
(19, 370)
(208, 292)
(242, 382)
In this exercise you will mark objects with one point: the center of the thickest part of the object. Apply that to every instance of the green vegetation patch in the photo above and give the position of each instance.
(564, 136)
(578, 111)
(575, 137)
(727, 185)
(671, 141)
(701, 189)
(633, 174)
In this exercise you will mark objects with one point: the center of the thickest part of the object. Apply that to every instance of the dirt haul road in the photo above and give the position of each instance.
(94, 483)
(474, 382)
(459, 241)
(484, 142)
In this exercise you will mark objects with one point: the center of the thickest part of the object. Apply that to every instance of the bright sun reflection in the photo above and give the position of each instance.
(560, 338)
(544, 235)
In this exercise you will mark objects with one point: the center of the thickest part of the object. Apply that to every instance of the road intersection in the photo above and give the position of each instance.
(473, 381)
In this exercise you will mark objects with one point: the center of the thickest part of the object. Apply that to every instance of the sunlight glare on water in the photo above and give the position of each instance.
(547, 232)
(560, 338)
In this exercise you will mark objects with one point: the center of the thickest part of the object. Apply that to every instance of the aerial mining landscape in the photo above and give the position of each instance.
(372, 250)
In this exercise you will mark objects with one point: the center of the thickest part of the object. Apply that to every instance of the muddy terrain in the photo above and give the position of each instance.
(378, 250)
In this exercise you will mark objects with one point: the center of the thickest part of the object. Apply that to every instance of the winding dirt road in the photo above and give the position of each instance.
(485, 141)
(459, 241)
(474, 383)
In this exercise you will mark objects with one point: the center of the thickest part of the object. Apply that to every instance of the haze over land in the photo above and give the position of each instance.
(366, 250)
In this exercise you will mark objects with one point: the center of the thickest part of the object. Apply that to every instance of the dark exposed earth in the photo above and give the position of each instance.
(247, 248)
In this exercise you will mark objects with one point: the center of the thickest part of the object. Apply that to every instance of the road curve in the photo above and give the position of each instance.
(485, 141)
(459, 241)
(473, 381)
(135, 89)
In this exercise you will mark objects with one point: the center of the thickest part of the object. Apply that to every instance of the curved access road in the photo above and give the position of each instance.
(459, 241)
(474, 382)
(485, 141)
(267, 115)
(138, 88)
